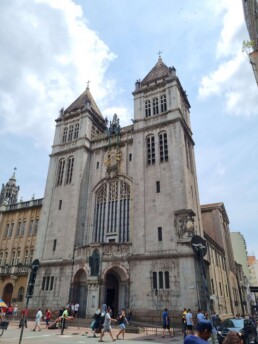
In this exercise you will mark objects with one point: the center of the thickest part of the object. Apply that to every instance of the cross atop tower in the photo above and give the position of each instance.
(159, 53)
(88, 84)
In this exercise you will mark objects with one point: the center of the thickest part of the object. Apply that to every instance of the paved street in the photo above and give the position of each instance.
(74, 335)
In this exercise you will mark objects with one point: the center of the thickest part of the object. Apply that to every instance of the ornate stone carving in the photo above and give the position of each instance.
(94, 261)
(184, 223)
(112, 160)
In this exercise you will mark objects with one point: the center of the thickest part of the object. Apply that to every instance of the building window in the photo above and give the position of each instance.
(35, 230)
(161, 280)
(31, 256)
(150, 150)
(18, 229)
(54, 245)
(159, 233)
(112, 212)
(1, 258)
(76, 131)
(155, 106)
(130, 157)
(26, 253)
(163, 103)
(70, 133)
(154, 280)
(5, 257)
(23, 226)
(167, 284)
(60, 205)
(31, 227)
(6, 230)
(226, 287)
(158, 186)
(69, 172)
(97, 165)
(13, 258)
(20, 294)
(18, 256)
(60, 172)
(47, 283)
(220, 289)
(11, 230)
(65, 134)
(147, 108)
(163, 147)
(51, 283)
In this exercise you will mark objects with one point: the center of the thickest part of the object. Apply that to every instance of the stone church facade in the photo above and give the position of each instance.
(121, 206)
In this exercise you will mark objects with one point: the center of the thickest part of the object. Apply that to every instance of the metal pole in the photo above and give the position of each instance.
(24, 320)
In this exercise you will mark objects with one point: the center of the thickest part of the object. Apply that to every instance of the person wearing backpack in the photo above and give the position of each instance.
(96, 323)
(107, 326)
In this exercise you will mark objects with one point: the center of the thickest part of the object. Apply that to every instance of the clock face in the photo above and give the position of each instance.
(112, 157)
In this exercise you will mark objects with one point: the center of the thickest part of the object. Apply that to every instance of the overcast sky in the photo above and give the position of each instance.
(51, 48)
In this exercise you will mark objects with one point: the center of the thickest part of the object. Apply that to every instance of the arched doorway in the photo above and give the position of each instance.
(112, 292)
(79, 290)
(8, 293)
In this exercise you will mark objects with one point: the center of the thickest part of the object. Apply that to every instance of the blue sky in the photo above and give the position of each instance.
(51, 48)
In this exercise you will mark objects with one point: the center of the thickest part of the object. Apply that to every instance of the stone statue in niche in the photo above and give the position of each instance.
(94, 260)
(184, 223)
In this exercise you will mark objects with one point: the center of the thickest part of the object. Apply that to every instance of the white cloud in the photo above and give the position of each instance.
(233, 77)
(48, 53)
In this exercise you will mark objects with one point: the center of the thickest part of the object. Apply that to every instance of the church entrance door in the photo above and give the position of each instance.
(7, 294)
(79, 290)
(112, 292)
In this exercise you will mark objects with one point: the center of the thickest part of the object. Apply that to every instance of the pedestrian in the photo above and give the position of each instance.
(203, 333)
(96, 324)
(129, 316)
(15, 311)
(200, 316)
(64, 317)
(189, 321)
(24, 316)
(184, 322)
(38, 319)
(107, 326)
(48, 315)
(166, 323)
(76, 309)
(122, 321)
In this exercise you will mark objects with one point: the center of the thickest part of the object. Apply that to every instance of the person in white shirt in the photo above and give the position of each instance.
(189, 321)
(38, 319)
(76, 309)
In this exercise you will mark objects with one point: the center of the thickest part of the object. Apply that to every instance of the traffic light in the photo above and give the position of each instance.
(33, 275)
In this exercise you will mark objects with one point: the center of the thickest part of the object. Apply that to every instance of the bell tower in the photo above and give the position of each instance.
(9, 192)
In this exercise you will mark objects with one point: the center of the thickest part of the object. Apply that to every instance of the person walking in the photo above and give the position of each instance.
(203, 333)
(200, 316)
(107, 326)
(24, 316)
(184, 322)
(38, 319)
(189, 321)
(64, 317)
(122, 321)
(166, 323)
(15, 311)
(48, 315)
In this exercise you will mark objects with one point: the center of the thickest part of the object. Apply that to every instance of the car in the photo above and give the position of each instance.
(244, 327)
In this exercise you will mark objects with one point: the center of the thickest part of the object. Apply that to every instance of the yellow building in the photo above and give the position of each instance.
(18, 231)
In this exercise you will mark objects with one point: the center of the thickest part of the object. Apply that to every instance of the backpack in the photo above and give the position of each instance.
(102, 318)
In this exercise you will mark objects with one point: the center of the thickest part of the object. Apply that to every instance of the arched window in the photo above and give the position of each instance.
(163, 147)
(163, 103)
(70, 133)
(112, 212)
(155, 106)
(20, 294)
(150, 150)
(69, 172)
(76, 131)
(26, 255)
(147, 108)
(65, 134)
(60, 172)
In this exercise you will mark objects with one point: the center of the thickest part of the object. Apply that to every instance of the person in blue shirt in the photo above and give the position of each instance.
(166, 323)
(203, 333)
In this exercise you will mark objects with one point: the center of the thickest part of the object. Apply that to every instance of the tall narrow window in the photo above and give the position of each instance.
(163, 147)
(18, 256)
(159, 233)
(51, 283)
(5, 257)
(150, 150)
(43, 283)
(158, 186)
(69, 172)
(13, 258)
(47, 282)
(65, 134)
(147, 108)
(54, 245)
(220, 289)
(155, 106)
(26, 254)
(154, 280)
(130, 156)
(11, 230)
(161, 280)
(23, 228)
(76, 131)
(1, 258)
(20, 294)
(31, 255)
(31, 227)
(167, 284)
(60, 172)
(18, 229)
(70, 133)
(6, 230)
(163, 103)
(35, 231)
(60, 205)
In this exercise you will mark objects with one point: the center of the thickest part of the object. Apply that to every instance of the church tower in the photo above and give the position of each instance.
(9, 192)
(121, 205)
